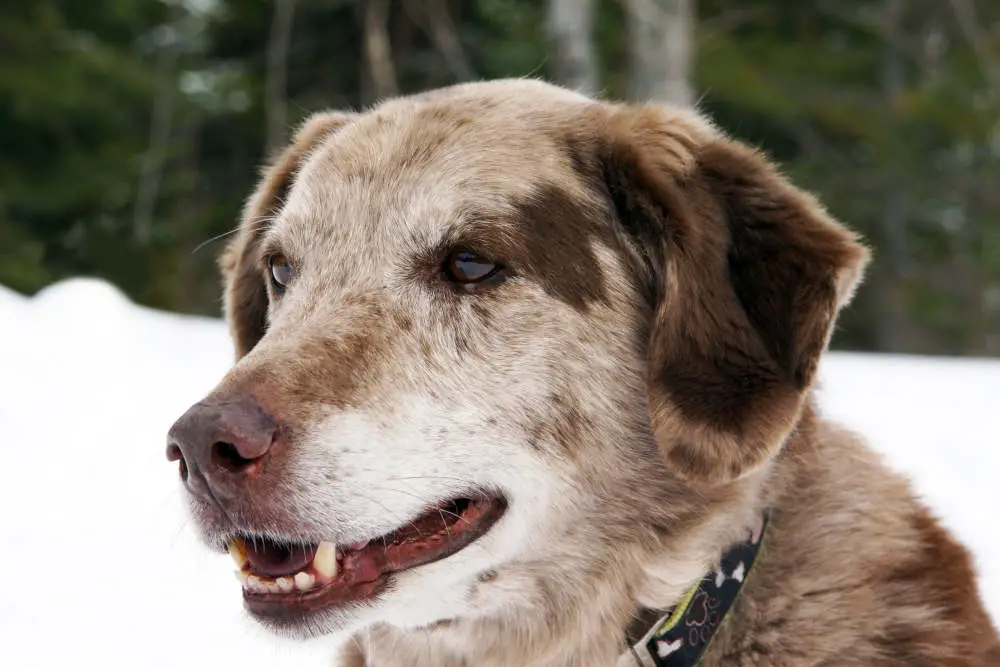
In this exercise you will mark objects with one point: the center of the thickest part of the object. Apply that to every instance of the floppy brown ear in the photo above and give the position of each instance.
(245, 298)
(747, 276)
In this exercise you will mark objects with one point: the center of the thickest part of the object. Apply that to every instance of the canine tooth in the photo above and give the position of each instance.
(325, 560)
(254, 583)
(272, 587)
(238, 553)
(304, 581)
(285, 584)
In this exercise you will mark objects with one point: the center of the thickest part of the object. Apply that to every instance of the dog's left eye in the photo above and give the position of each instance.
(281, 270)
(467, 268)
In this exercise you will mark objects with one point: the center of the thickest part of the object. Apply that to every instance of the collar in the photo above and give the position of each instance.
(679, 636)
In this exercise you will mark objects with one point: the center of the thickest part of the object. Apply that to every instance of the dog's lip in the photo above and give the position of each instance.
(365, 568)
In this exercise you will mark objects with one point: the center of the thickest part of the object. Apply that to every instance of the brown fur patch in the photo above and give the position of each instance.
(746, 270)
(937, 575)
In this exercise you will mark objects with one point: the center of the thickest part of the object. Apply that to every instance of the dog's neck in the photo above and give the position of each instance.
(679, 636)
(595, 640)
(593, 630)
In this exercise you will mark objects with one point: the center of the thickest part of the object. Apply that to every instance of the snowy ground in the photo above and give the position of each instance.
(98, 563)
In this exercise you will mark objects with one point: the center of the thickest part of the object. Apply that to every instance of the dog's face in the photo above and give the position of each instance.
(490, 339)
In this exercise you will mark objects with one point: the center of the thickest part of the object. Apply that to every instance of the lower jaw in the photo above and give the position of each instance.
(329, 608)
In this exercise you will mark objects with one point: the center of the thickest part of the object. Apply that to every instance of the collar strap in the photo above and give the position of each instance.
(679, 636)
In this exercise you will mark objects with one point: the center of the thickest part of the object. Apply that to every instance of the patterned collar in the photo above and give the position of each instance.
(678, 637)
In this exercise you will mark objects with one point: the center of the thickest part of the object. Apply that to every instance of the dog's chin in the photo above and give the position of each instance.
(322, 623)
(346, 620)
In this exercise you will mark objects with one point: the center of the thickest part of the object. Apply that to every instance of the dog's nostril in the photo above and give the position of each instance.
(227, 456)
(174, 453)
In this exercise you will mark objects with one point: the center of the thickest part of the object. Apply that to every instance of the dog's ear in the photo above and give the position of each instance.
(745, 275)
(245, 298)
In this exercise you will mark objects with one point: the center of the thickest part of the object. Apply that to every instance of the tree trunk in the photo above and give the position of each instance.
(661, 34)
(277, 73)
(378, 50)
(570, 31)
(892, 330)
(160, 126)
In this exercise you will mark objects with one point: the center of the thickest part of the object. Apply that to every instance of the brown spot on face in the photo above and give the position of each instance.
(482, 312)
(556, 232)
(563, 425)
(461, 338)
(301, 375)
(442, 625)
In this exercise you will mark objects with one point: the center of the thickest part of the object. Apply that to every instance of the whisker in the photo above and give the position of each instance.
(251, 220)
(483, 495)
(181, 526)
(440, 510)
(214, 239)
(394, 515)
(445, 523)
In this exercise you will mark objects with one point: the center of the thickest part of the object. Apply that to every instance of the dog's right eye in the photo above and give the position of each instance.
(468, 268)
(281, 271)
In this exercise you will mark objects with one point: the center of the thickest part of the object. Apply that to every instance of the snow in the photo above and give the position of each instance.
(100, 566)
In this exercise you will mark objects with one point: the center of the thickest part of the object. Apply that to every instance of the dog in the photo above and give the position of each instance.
(525, 378)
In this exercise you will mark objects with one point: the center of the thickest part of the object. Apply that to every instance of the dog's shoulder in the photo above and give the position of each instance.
(855, 569)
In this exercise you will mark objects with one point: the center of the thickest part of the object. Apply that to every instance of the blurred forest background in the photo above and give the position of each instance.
(132, 130)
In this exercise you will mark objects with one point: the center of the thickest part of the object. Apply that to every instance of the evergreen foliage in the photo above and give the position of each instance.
(132, 130)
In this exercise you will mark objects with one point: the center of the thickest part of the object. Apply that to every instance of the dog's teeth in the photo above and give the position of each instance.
(255, 584)
(238, 553)
(285, 584)
(325, 560)
(272, 587)
(304, 581)
(242, 576)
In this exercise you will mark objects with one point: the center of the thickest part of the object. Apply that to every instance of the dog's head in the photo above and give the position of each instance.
(493, 337)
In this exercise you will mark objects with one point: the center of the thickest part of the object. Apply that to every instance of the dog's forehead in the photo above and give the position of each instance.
(412, 170)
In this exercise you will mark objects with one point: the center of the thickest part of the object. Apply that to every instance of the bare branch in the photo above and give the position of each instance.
(733, 19)
(871, 22)
(968, 23)
(433, 18)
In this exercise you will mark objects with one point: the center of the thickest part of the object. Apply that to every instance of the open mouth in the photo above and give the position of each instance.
(282, 579)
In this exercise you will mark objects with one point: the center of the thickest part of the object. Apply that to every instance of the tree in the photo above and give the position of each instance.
(75, 90)
(661, 35)
(571, 43)
(132, 130)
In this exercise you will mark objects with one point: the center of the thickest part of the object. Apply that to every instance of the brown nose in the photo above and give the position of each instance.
(221, 443)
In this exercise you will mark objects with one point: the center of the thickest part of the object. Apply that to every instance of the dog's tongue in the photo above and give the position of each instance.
(274, 560)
